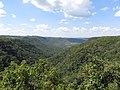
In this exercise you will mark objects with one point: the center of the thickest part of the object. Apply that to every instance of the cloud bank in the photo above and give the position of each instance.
(70, 8)
(2, 12)
(117, 14)
(45, 30)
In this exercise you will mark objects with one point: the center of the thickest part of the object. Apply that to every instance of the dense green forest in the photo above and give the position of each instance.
(39, 63)
(31, 48)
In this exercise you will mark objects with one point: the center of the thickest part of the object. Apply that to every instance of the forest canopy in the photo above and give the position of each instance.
(92, 65)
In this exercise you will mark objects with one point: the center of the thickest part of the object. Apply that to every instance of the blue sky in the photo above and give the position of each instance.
(60, 18)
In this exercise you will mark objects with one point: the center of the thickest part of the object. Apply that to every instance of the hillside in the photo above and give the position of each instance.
(51, 45)
(92, 65)
(17, 50)
(48, 45)
(103, 47)
(30, 48)
(49, 41)
(103, 53)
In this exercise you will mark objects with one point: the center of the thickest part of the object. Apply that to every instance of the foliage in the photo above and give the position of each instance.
(98, 56)
(93, 65)
(39, 76)
(17, 50)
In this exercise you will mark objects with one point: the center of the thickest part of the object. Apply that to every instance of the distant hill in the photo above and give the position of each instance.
(48, 45)
(30, 48)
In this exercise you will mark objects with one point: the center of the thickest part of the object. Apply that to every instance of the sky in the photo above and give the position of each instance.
(60, 18)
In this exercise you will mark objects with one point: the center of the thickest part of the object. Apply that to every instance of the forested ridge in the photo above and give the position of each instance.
(51, 65)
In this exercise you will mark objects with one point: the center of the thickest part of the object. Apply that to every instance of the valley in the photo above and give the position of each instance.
(32, 62)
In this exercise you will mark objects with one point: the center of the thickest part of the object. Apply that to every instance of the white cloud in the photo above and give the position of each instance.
(63, 29)
(45, 30)
(41, 29)
(32, 19)
(87, 22)
(45, 5)
(117, 14)
(42, 26)
(100, 29)
(70, 8)
(63, 21)
(104, 9)
(13, 15)
(116, 8)
(24, 24)
(9, 24)
(76, 31)
(1, 25)
(2, 13)
(5, 30)
(26, 1)
(1, 5)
